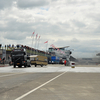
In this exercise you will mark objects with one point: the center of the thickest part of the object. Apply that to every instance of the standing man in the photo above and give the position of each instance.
(9, 60)
(65, 62)
(0, 60)
(3, 60)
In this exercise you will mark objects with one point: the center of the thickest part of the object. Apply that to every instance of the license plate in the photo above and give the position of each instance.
(18, 63)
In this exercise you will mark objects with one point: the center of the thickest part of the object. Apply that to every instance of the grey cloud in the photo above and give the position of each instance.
(31, 3)
(15, 30)
(14, 25)
(48, 28)
(88, 46)
(65, 24)
(94, 16)
(15, 36)
(75, 40)
(79, 2)
(53, 0)
(71, 1)
(75, 1)
(5, 3)
(78, 23)
(97, 30)
(79, 45)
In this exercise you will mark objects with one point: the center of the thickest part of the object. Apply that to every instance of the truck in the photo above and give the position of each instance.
(19, 58)
(55, 60)
(38, 60)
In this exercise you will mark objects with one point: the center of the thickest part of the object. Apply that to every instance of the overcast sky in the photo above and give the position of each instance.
(74, 23)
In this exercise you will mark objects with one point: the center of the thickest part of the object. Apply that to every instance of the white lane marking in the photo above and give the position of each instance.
(19, 98)
(10, 75)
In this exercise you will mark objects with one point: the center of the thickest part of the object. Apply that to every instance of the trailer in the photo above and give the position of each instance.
(38, 60)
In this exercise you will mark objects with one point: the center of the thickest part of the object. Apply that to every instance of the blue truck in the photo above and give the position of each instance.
(55, 60)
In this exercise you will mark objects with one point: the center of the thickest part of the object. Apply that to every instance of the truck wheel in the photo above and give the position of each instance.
(25, 65)
(14, 66)
(35, 65)
(41, 65)
(29, 65)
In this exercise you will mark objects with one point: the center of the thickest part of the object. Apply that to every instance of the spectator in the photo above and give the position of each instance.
(0, 60)
(3, 60)
(65, 62)
(5, 46)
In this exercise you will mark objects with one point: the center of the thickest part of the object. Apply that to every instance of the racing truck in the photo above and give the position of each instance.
(19, 58)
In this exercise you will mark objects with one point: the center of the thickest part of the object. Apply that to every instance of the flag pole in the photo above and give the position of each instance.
(32, 41)
(32, 46)
(46, 46)
(38, 43)
(35, 43)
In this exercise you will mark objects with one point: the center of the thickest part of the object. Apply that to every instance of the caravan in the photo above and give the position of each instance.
(38, 60)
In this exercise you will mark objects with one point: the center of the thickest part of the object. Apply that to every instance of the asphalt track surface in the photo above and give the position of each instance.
(52, 82)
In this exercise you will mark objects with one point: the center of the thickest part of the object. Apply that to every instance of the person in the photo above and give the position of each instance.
(3, 60)
(65, 62)
(9, 60)
(9, 57)
(0, 60)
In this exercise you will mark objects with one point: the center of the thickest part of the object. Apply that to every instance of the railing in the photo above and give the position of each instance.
(29, 51)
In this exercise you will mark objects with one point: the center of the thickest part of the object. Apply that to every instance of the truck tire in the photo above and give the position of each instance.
(29, 65)
(35, 65)
(41, 65)
(14, 65)
(25, 65)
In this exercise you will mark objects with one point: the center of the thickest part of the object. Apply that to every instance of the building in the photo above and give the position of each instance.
(6, 51)
(60, 52)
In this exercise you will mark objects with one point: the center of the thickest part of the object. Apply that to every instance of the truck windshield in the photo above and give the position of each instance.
(18, 54)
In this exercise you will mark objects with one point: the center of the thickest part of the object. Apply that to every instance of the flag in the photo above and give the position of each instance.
(55, 47)
(52, 46)
(36, 36)
(33, 33)
(39, 37)
(46, 42)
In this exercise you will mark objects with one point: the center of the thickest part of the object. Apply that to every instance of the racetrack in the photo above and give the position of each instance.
(52, 82)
